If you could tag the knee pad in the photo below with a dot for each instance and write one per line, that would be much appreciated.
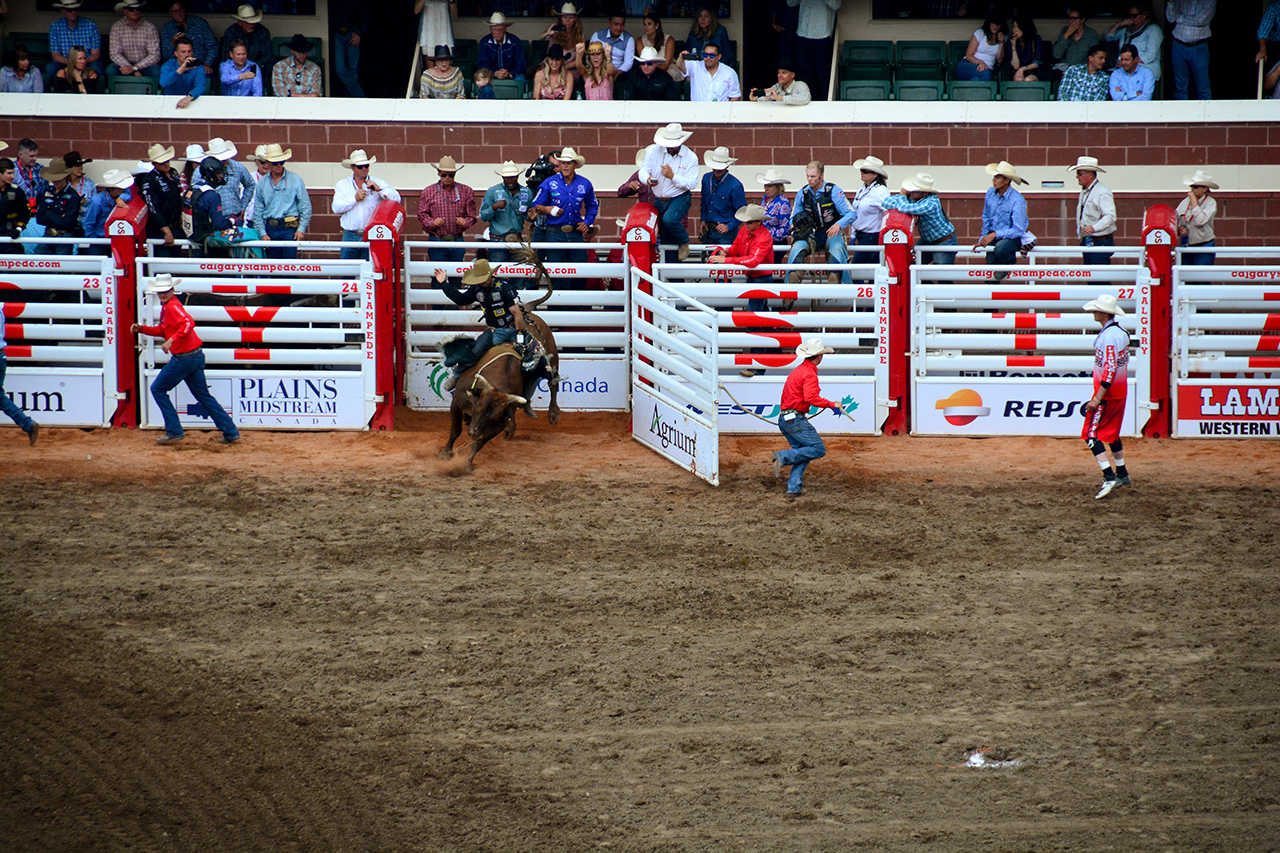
(1117, 447)
(1096, 447)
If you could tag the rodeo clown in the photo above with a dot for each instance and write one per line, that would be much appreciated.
(800, 392)
(1104, 412)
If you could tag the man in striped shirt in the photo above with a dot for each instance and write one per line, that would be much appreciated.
(1190, 19)
(1104, 413)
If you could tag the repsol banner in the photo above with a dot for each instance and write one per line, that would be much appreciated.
(675, 434)
(69, 397)
(586, 385)
(759, 398)
(975, 407)
(321, 400)
(1230, 410)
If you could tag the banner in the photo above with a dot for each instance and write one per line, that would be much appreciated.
(69, 397)
(675, 434)
(321, 400)
(586, 385)
(981, 408)
(1228, 411)
(761, 398)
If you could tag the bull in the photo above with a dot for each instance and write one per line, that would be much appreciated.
(485, 399)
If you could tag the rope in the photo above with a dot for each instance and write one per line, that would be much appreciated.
(503, 354)
(743, 408)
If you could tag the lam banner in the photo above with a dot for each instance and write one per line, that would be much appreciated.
(1228, 410)
(310, 401)
(586, 385)
(675, 434)
(758, 399)
(976, 408)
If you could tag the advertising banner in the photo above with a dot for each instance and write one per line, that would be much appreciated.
(586, 385)
(761, 398)
(1230, 410)
(1029, 407)
(321, 400)
(69, 397)
(675, 434)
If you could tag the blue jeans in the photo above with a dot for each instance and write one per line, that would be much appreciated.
(281, 232)
(940, 257)
(671, 224)
(353, 254)
(966, 70)
(837, 253)
(565, 256)
(346, 64)
(1191, 66)
(1205, 260)
(9, 407)
(806, 446)
(866, 238)
(1004, 251)
(189, 368)
(489, 338)
(1097, 258)
(443, 254)
(715, 238)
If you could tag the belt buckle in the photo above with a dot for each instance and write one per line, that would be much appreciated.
(788, 416)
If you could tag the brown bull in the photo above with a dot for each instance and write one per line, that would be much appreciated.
(537, 327)
(486, 398)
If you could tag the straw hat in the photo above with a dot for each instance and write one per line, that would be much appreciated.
(157, 153)
(718, 158)
(509, 170)
(640, 155)
(358, 158)
(1201, 179)
(1086, 164)
(479, 273)
(247, 14)
(117, 179)
(568, 9)
(812, 347)
(272, 153)
(1107, 304)
(195, 153)
(770, 177)
(65, 4)
(921, 183)
(129, 4)
(446, 164)
(874, 164)
(672, 136)
(163, 283)
(749, 213)
(567, 154)
(222, 149)
(1004, 167)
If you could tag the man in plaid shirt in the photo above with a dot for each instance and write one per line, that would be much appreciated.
(919, 199)
(1190, 19)
(70, 31)
(446, 209)
(1086, 82)
(135, 44)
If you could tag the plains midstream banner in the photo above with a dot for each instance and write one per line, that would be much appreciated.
(324, 400)
(67, 398)
(974, 407)
(761, 397)
(675, 434)
(586, 385)
(1228, 410)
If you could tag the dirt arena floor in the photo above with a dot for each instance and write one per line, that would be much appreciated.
(333, 642)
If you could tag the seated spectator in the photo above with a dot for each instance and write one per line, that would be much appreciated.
(204, 44)
(77, 77)
(706, 30)
(985, 52)
(483, 78)
(135, 44)
(567, 33)
(621, 45)
(709, 80)
(70, 30)
(183, 74)
(501, 53)
(777, 209)
(553, 82)
(654, 37)
(1143, 33)
(598, 71)
(240, 77)
(257, 38)
(297, 77)
(788, 90)
(1075, 40)
(441, 79)
(1268, 33)
(1131, 81)
(647, 81)
(1086, 82)
(19, 77)
(1025, 53)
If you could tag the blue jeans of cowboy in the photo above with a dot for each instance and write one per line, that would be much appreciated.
(1097, 258)
(806, 446)
(837, 253)
(353, 254)
(672, 212)
(281, 232)
(9, 407)
(189, 368)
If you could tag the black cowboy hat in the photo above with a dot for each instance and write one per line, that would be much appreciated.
(301, 43)
(442, 52)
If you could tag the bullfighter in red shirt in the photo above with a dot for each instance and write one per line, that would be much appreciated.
(799, 394)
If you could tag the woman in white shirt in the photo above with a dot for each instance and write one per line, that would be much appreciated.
(868, 208)
(985, 53)
(1195, 218)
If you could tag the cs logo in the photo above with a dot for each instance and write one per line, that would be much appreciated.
(962, 407)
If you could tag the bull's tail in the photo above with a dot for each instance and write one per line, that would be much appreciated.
(527, 254)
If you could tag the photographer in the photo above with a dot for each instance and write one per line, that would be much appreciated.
(788, 90)
(240, 77)
(183, 74)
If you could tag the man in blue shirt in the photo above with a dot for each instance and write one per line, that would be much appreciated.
(114, 190)
(826, 204)
(722, 195)
(501, 52)
(204, 44)
(1004, 216)
(281, 204)
(1132, 81)
(504, 208)
(183, 75)
(70, 31)
(622, 47)
(569, 201)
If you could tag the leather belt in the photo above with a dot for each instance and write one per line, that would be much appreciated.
(190, 351)
(1190, 43)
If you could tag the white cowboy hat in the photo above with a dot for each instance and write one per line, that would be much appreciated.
(718, 158)
(247, 14)
(141, 168)
(222, 149)
(640, 155)
(447, 164)
(163, 282)
(130, 4)
(749, 213)
(272, 153)
(117, 179)
(1086, 164)
(874, 164)
(567, 154)
(671, 136)
(358, 158)
(497, 19)
(649, 54)
(771, 176)
(67, 4)
(1107, 304)
(509, 170)
(921, 183)
(1201, 179)
(256, 156)
(194, 152)
(157, 153)
(568, 9)
(1004, 167)
(812, 347)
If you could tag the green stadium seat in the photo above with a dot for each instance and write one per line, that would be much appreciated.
(955, 52)
(465, 51)
(864, 90)
(919, 90)
(971, 90)
(1035, 90)
(508, 90)
(866, 60)
(132, 86)
(920, 60)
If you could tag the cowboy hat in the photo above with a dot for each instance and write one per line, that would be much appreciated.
(141, 168)
(442, 52)
(130, 4)
(479, 273)
(569, 154)
(67, 4)
(770, 177)
(1086, 164)
(358, 158)
(117, 179)
(568, 9)
(195, 153)
(1107, 304)
(1201, 179)
(300, 44)
(446, 164)
(247, 14)
(812, 347)
(555, 52)
(871, 164)
(163, 282)
(272, 153)
(509, 170)
(256, 156)
(222, 149)
(4, 146)
(921, 183)
(671, 136)
(497, 19)
(1004, 167)
(749, 213)
(648, 54)
(71, 158)
(640, 155)
(55, 171)
(718, 158)
(157, 153)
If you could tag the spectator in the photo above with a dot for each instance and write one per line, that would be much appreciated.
(1195, 217)
(1025, 51)
(569, 201)
(113, 192)
(194, 156)
(240, 77)
(28, 169)
(1095, 211)
(752, 247)
(706, 30)
(15, 206)
(501, 52)
(446, 210)
(238, 186)
(1131, 81)
(69, 31)
(135, 44)
(297, 77)
(641, 189)
(58, 209)
(985, 53)
(1143, 33)
(777, 209)
(621, 45)
(350, 21)
(281, 204)
(825, 203)
(709, 80)
(1087, 82)
(261, 169)
(597, 71)
(434, 27)
(670, 171)
(483, 78)
(248, 28)
(553, 82)
(82, 185)
(504, 207)
(183, 75)
(647, 81)
(1004, 217)
(78, 78)
(1272, 83)
(20, 78)
(788, 90)
(1268, 32)
(356, 198)
(441, 80)
(204, 44)
(920, 199)
(161, 188)
(1075, 40)
(722, 195)
(784, 19)
(567, 33)
(1191, 46)
(654, 37)
(868, 207)
(815, 30)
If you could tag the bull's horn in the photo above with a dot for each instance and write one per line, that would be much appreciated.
(482, 382)
(517, 399)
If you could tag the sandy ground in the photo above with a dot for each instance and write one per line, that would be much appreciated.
(338, 642)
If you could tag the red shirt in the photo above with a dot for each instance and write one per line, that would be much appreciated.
(801, 390)
(751, 250)
(175, 323)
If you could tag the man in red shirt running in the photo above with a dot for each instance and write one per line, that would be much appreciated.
(801, 392)
(186, 364)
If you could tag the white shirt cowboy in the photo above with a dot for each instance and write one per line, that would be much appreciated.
(356, 214)
(1097, 207)
(684, 170)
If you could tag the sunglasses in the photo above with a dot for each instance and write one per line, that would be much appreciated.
(447, 174)
(706, 55)
(365, 166)
(869, 171)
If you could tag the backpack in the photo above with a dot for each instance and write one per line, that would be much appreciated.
(195, 224)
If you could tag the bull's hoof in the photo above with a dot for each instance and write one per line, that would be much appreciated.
(553, 416)
(446, 454)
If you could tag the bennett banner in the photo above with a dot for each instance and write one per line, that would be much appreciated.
(69, 397)
(329, 400)
(586, 385)
(675, 434)
(1228, 410)
(758, 398)
(974, 407)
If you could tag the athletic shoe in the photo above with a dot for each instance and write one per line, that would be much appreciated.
(1107, 487)
(777, 466)
(1124, 481)
(170, 439)
(34, 433)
